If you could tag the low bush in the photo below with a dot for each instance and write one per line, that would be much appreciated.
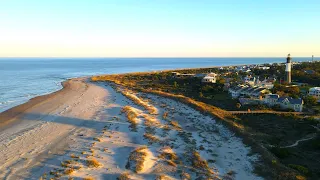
(93, 163)
(299, 168)
(280, 152)
(124, 176)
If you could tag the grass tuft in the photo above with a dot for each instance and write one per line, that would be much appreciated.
(93, 163)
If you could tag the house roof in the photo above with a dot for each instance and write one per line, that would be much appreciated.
(291, 100)
(209, 77)
(273, 96)
(252, 89)
(200, 75)
(258, 90)
(236, 88)
(314, 89)
(245, 89)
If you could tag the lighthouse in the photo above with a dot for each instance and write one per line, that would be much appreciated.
(288, 69)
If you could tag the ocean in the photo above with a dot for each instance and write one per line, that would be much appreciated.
(24, 78)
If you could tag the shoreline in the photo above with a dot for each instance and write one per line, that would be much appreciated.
(8, 117)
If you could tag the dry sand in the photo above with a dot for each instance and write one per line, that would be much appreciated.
(81, 131)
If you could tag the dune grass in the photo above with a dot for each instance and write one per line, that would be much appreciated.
(136, 159)
(131, 116)
(199, 164)
(151, 138)
(93, 163)
(140, 102)
(124, 176)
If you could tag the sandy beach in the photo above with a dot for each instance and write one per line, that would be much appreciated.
(102, 131)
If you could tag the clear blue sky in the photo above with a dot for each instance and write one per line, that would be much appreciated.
(145, 28)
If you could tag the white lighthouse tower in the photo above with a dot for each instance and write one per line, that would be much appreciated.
(288, 69)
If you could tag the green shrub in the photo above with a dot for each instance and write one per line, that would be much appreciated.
(280, 152)
(299, 168)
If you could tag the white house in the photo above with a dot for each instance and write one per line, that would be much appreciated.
(210, 78)
(315, 92)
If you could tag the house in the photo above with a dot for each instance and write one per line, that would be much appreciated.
(247, 101)
(244, 91)
(255, 82)
(249, 80)
(315, 92)
(291, 103)
(271, 99)
(263, 67)
(310, 71)
(235, 91)
(210, 78)
(201, 75)
(259, 92)
(179, 75)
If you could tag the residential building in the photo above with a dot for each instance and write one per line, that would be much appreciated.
(210, 78)
(291, 103)
(235, 91)
(271, 99)
(315, 92)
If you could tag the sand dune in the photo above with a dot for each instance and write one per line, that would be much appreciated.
(101, 131)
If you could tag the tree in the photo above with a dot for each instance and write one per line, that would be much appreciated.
(201, 94)
(310, 101)
(221, 81)
(238, 105)
(175, 84)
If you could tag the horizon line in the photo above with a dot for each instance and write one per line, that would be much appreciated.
(58, 57)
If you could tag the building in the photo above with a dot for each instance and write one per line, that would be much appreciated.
(315, 92)
(259, 92)
(271, 99)
(235, 91)
(249, 80)
(179, 75)
(291, 103)
(210, 78)
(255, 82)
(200, 76)
(288, 69)
(247, 91)
(284, 102)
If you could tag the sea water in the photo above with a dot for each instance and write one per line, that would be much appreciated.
(24, 78)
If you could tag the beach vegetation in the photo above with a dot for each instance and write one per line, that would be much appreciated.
(200, 164)
(68, 171)
(175, 125)
(139, 101)
(136, 159)
(185, 176)
(299, 168)
(93, 163)
(165, 115)
(97, 139)
(131, 116)
(88, 178)
(74, 156)
(151, 138)
(124, 176)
